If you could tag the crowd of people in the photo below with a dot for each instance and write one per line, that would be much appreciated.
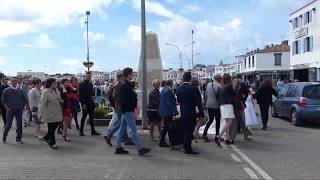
(177, 112)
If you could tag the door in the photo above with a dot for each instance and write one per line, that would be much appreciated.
(281, 97)
(291, 98)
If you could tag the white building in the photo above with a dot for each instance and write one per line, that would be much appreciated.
(33, 75)
(200, 71)
(305, 42)
(171, 74)
(271, 62)
(210, 71)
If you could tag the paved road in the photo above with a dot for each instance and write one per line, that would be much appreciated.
(283, 152)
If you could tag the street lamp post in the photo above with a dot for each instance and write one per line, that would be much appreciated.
(88, 64)
(192, 52)
(180, 50)
(144, 65)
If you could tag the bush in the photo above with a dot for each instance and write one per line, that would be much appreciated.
(100, 113)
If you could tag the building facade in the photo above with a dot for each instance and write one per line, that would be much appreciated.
(305, 42)
(271, 62)
(33, 75)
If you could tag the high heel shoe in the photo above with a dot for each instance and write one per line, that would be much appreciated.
(53, 146)
(66, 138)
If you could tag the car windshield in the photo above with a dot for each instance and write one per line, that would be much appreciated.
(312, 91)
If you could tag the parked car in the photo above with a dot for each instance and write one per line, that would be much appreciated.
(298, 101)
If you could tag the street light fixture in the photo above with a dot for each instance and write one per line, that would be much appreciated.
(88, 64)
(180, 50)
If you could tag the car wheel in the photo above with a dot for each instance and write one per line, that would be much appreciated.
(294, 118)
(273, 112)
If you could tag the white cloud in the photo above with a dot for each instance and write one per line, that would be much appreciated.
(2, 61)
(134, 32)
(41, 41)
(189, 8)
(20, 17)
(96, 39)
(71, 65)
(153, 7)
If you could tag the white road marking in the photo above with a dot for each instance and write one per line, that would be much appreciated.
(251, 163)
(235, 157)
(250, 173)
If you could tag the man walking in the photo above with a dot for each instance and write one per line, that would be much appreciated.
(128, 104)
(86, 95)
(189, 99)
(3, 86)
(14, 100)
(167, 109)
(212, 102)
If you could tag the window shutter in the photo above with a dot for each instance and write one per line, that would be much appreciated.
(311, 43)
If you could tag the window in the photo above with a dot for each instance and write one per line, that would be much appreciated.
(296, 47)
(277, 59)
(253, 63)
(249, 62)
(293, 91)
(245, 63)
(307, 17)
(308, 44)
(296, 22)
(283, 91)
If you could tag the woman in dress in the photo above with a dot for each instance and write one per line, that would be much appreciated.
(228, 94)
(76, 101)
(50, 110)
(34, 96)
(250, 114)
(66, 95)
(153, 108)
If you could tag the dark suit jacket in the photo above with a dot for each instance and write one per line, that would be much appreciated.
(189, 98)
(168, 103)
(264, 95)
(86, 93)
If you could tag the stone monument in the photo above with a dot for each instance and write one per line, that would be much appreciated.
(154, 63)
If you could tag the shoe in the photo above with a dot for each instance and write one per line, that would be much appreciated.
(59, 131)
(66, 138)
(81, 133)
(229, 142)
(19, 142)
(128, 142)
(78, 128)
(191, 153)
(164, 145)
(108, 141)
(95, 133)
(264, 128)
(4, 139)
(216, 140)
(121, 151)
(144, 151)
(53, 146)
(205, 138)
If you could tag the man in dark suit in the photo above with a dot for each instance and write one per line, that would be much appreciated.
(167, 109)
(86, 95)
(189, 99)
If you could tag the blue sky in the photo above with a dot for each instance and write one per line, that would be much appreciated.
(48, 35)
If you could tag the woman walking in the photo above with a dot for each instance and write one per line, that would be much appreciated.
(200, 121)
(250, 114)
(66, 95)
(34, 96)
(76, 101)
(50, 110)
(228, 94)
(264, 98)
(98, 94)
(153, 108)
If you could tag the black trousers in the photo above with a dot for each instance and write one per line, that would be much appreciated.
(189, 125)
(89, 111)
(264, 109)
(3, 114)
(50, 136)
(165, 130)
(213, 114)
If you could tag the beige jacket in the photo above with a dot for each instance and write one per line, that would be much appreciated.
(50, 109)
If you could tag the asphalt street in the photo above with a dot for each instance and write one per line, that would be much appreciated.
(282, 152)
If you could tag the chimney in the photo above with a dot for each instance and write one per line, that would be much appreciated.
(267, 46)
(286, 42)
(272, 45)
